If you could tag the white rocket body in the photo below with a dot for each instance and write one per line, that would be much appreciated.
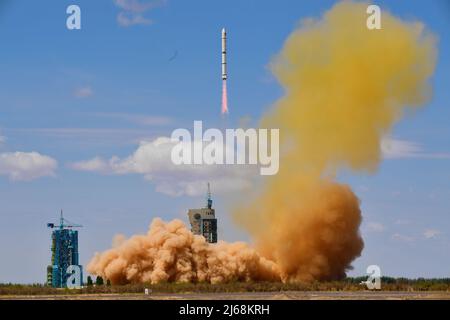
(224, 54)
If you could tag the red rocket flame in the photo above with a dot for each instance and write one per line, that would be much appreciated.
(224, 98)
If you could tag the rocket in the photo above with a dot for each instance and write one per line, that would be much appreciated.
(224, 54)
(224, 73)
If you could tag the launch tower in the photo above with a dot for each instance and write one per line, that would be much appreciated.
(64, 252)
(203, 221)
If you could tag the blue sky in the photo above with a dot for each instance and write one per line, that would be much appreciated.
(70, 96)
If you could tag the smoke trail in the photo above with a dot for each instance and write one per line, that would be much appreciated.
(345, 87)
(224, 97)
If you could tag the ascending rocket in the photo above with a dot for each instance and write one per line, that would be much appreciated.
(224, 73)
(224, 54)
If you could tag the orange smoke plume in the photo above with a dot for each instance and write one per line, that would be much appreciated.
(345, 88)
(170, 252)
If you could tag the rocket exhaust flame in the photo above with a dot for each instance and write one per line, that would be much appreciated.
(224, 98)
(345, 88)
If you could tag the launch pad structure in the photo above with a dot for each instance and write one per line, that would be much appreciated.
(64, 250)
(203, 221)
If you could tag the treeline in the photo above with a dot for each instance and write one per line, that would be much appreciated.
(348, 284)
(405, 284)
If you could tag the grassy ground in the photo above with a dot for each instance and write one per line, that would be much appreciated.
(348, 284)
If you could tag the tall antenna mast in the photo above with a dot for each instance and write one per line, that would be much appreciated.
(208, 197)
(61, 220)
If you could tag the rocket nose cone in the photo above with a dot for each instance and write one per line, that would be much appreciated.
(223, 31)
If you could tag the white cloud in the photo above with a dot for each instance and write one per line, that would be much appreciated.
(402, 238)
(152, 159)
(375, 227)
(96, 164)
(397, 149)
(431, 233)
(133, 11)
(402, 222)
(126, 19)
(25, 166)
(83, 92)
(2, 139)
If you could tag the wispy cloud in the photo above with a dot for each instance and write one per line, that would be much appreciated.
(375, 227)
(402, 238)
(89, 135)
(402, 222)
(25, 166)
(431, 233)
(126, 19)
(363, 188)
(133, 12)
(141, 119)
(2, 139)
(397, 149)
(83, 92)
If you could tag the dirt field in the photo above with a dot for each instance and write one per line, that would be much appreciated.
(292, 295)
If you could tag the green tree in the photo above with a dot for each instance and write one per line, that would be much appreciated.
(89, 281)
(99, 281)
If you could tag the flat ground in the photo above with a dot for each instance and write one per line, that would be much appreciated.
(291, 295)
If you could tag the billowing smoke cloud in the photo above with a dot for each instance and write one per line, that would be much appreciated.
(308, 226)
(345, 87)
(170, 252)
